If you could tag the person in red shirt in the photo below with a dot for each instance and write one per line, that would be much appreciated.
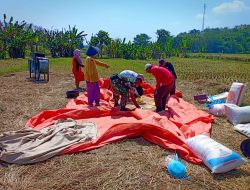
(77, 65)
(170, 67)
(164, 84)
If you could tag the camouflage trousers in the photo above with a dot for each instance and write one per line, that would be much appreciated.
(119, 89)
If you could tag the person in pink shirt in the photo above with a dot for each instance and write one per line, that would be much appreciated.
(164, 84)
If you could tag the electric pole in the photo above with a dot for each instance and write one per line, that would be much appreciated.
(203, 20)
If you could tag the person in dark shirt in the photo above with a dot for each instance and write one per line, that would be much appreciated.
(170, 67)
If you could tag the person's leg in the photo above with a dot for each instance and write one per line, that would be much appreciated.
(124, 99)
(77, 84)
(96, 93)
(115, 90)
(164, 101)
(90, 92)
(166, 93)
(124, 92)
(76, 80)
(172, 92)
(158, 98)
(116, 96)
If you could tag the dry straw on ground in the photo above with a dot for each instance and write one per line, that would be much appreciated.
(129, 164)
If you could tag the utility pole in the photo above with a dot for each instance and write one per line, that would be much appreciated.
(203, 20)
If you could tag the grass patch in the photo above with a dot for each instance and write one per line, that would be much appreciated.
(13, 65)
(192, 69)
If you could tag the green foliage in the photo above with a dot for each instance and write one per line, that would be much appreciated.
(141, 40)
(63, 43)
(14, 37)
(101, 40)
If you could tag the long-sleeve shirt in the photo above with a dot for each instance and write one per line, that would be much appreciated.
(170, 67)
(91, 73)
(162, 75)
(130, 75)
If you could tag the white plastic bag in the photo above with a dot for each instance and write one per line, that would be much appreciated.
(236, 93)
(218, 158)
(221, 96)
(217, 109)
(243, 128)
(237, 115)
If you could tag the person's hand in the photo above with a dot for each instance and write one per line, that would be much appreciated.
(155, 92)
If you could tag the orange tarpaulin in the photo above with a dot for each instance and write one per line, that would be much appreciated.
(167, 129)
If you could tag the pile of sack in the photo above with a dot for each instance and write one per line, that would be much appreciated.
(238, 116)
(231, 108)
(217, 157)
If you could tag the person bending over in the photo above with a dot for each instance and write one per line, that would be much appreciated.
(164, 84)
(124, 85)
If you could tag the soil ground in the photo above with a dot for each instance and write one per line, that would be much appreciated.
(129, 164)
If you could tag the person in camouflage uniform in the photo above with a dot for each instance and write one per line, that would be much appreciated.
(124, 85)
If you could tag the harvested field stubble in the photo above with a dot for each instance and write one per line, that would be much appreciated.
(131, 163)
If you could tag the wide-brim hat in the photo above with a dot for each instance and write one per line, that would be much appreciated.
(92, 50)
(177, 169)
(245, 147)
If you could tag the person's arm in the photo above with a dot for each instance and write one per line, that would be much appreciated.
(171, 69)
(99, 63)
(154, 72)
(157, 78)
(78, 63)
(175, 76)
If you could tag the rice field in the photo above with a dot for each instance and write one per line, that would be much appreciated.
(188, 69)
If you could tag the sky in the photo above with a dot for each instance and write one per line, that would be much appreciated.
(127, 18)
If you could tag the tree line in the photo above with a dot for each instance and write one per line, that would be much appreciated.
(18, 38)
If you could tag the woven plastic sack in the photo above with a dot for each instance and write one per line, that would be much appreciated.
(237, 115)
(217, 157)
(236, 93)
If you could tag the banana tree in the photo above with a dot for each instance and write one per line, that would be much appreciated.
(64, 42)
(15, 36)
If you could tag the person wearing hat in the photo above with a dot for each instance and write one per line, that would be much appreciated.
(77, 65)
(170, 67)
(125, 84)
(91, 75)
(164, 84)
